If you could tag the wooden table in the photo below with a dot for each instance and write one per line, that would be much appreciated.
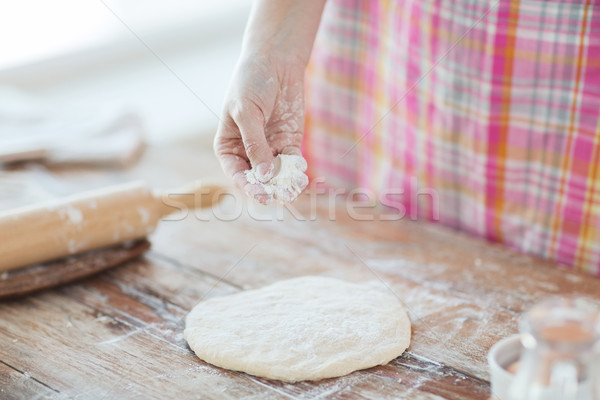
(119, 334)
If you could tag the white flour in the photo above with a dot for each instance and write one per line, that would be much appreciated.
(289, 179)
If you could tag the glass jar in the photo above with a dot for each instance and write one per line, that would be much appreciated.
(559, 360)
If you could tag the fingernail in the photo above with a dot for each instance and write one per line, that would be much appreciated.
(264, 172)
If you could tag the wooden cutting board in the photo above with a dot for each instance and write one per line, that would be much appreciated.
(22, 281)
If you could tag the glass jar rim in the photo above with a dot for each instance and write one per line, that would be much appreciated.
(562, 322)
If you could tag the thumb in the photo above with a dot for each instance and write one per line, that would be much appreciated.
(250, 121)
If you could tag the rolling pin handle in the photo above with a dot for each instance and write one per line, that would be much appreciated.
(192, 196)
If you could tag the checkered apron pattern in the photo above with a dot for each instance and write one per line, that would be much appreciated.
(482, 115)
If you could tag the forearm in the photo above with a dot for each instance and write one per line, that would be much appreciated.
(283, 28)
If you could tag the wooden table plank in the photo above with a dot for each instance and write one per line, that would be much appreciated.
(89, 354)
(16, 384)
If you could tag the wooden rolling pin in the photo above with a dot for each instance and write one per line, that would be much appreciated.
(90, 220)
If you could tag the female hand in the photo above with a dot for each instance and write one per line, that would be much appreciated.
(263, 116)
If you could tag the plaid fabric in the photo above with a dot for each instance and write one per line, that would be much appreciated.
(494, 105)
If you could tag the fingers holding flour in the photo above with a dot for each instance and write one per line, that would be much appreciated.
(289, 178)
(288, 181)
(229, 148)
(283, 180)
(256, 191)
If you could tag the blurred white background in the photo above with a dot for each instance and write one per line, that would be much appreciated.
(169, 61)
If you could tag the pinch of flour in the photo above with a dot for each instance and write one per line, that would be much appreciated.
(288, 180)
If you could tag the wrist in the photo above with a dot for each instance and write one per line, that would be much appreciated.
(283, 30)
(289, 60)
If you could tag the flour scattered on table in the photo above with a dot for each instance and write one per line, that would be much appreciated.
(289, 179)
(306, 328)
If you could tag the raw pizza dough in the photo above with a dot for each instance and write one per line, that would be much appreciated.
(306, 328)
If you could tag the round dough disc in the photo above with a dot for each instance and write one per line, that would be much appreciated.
(306, 328)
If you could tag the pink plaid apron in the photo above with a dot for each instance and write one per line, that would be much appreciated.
(492, 105)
